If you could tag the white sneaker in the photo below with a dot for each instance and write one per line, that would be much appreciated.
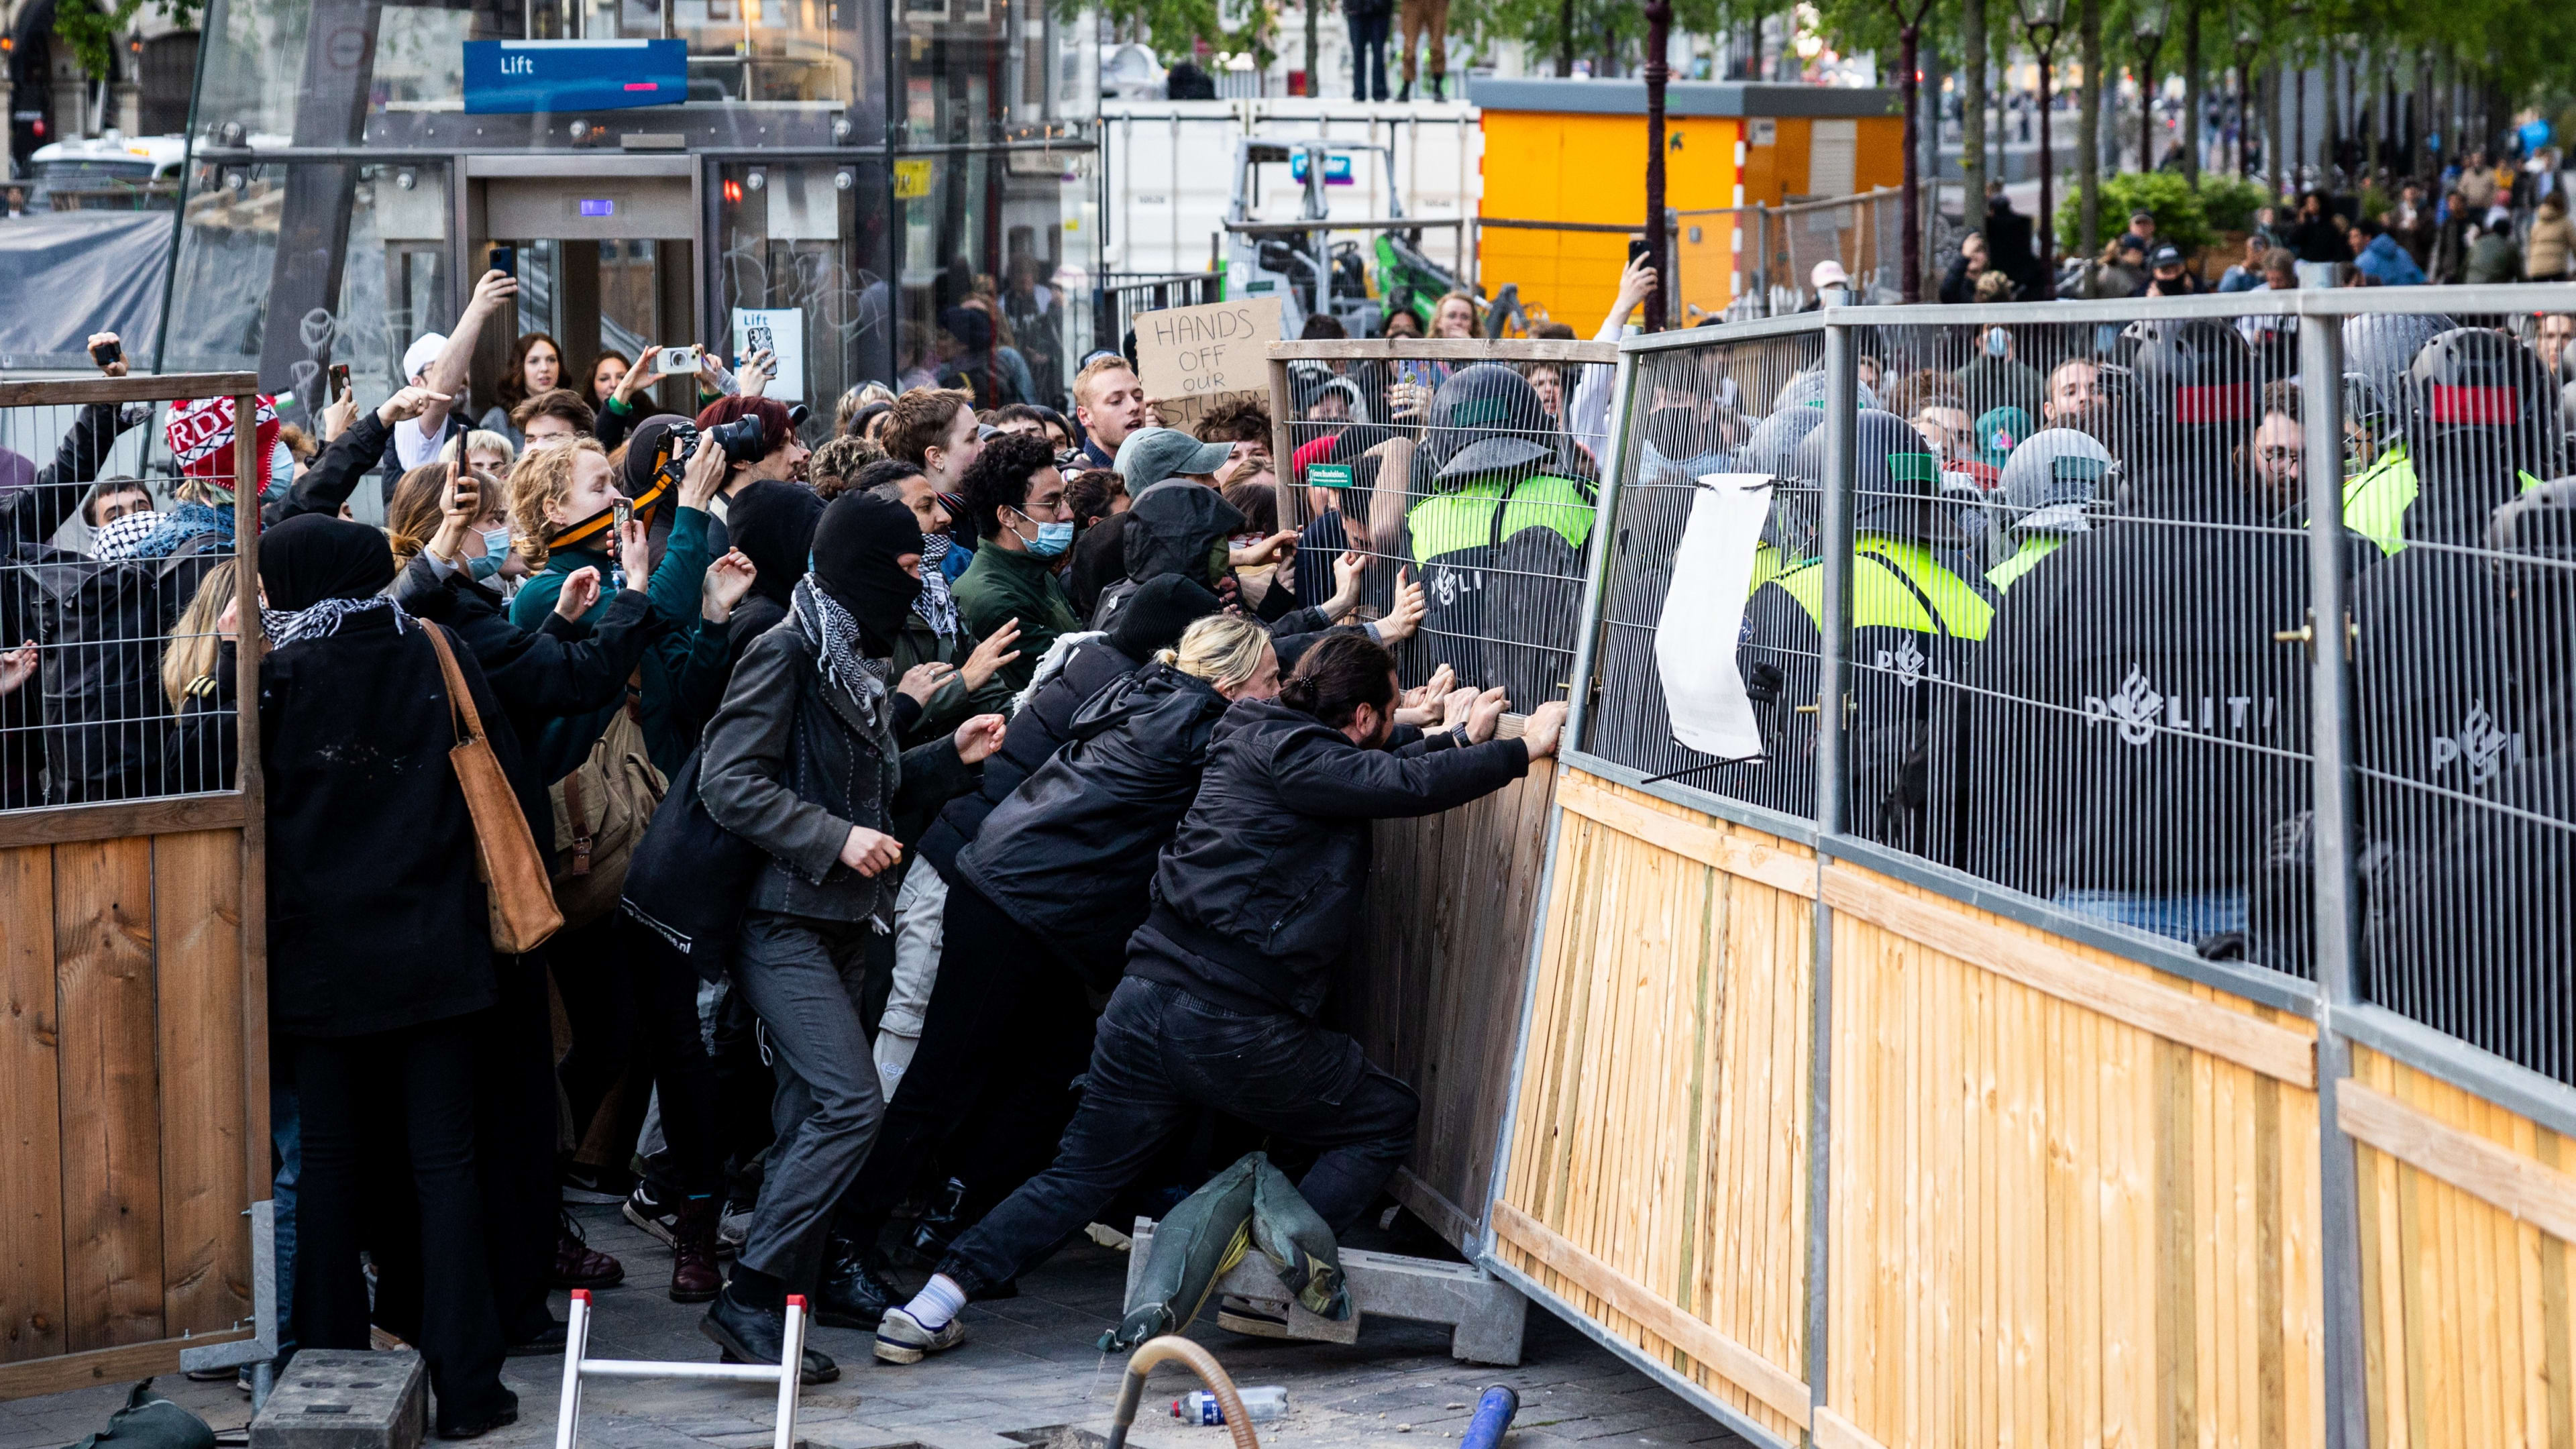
(902, 1339)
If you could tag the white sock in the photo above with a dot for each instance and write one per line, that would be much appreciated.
(939, 1300)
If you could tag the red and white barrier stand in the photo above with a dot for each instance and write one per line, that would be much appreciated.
(577, 1368)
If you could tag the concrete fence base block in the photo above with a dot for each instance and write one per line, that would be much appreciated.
(1485, 1314)
(345, 1399)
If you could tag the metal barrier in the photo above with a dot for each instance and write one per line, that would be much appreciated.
(1746, 262)
(1468, 467)
(134, 1055)
(2124, 982)
(1118, 298)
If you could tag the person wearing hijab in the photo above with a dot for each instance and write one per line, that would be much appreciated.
(802, 760)
(379, 945)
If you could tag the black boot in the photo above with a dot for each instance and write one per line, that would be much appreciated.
(855, 1292)
(938, 1225)
(749, 1333)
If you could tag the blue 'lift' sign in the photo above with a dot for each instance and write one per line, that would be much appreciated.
(522, 77)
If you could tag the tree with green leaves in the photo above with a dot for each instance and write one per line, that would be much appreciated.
(92, 33)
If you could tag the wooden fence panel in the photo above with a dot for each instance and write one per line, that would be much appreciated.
(1433, 992)
(1657, 1177)
(129, 1159)
(2052, 1223)
(2467, 1211)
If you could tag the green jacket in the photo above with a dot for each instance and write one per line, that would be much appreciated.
(684, 670)
(1000, 586)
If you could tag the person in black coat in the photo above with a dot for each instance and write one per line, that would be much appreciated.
(772, 522)
(801, 760)
(1038, 913)
(1253, 901)
(379, 942)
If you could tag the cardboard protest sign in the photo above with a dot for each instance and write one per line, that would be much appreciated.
(1193, 360)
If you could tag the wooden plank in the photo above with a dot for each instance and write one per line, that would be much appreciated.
(111, 1099)
(31, 1173)
(1446, 349)
(2173, 1014)
(68, 824)
(2496, 1175)
(1773, 1386)
(1776, 867)
(1833, 1431)
(205, 1240)
(103, 1366)
(170, 387)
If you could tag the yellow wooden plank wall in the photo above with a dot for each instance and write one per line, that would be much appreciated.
(2051, 1226)
(1661, 1126)
(123, 1157)
(2465, 1308)
(1433, 989)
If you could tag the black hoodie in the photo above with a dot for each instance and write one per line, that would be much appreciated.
(1070, 854)
(1256, 895)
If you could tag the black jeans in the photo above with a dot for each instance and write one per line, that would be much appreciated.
(423, 1078)
(1007, 1031)
(666, 1006)
(1368, 53)
(1159, 1053)
(594, 969)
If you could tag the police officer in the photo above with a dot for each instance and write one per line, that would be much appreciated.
(2477, 935)
(1914, 621)
(2052, 482)
(1497, 537)
(2378, 350)
(1789, 535)
(2138, 723)
(2436, 720)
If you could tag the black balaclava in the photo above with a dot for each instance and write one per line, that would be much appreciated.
(1157, 614)
(855, 548)
(773, 523)
(313, 557)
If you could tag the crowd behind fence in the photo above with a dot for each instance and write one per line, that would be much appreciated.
(2088, 588)
(118, 591)
(1469, 468)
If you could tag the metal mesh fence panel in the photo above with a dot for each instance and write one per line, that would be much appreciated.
(1470, 470)
(2462, 635)
(115, 576)
(1729, 407)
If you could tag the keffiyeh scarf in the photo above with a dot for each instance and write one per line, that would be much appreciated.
(835, 633)
(290, 626)
(937, 607)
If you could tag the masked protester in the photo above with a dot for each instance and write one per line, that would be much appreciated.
(379, 946)
(801, 760)
(1038, 915)
(1023, 528)
(1225, 978)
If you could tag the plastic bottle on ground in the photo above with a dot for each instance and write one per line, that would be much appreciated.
(1260, 1405)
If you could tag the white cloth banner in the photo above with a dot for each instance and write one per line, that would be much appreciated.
(1704, 614)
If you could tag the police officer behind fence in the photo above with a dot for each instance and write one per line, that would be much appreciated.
(2378, 351)
(1498, 536)
(2051, 485)
(2140, 718)
(2432, 704)
(1913, 620)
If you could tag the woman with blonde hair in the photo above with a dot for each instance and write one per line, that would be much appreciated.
(1039, 910)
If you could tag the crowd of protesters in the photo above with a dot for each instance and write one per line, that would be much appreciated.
(942, 809)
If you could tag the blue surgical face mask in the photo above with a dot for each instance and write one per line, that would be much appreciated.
(1998, 342)
(496, 541)
(1052, 540)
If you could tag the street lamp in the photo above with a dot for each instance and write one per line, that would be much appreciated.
(2044, 21)
(1659, 31)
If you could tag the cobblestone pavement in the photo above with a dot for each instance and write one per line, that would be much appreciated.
(1027, 1363)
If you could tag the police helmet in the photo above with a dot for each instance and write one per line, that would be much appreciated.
(2478, 400)
(2053, 478)
(1486, 419)
(1773, 446)
(1807, 390)
(1895, 475)
(2380, 346)
(2194, 374)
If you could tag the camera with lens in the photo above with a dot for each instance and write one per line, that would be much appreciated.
(743, 439)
